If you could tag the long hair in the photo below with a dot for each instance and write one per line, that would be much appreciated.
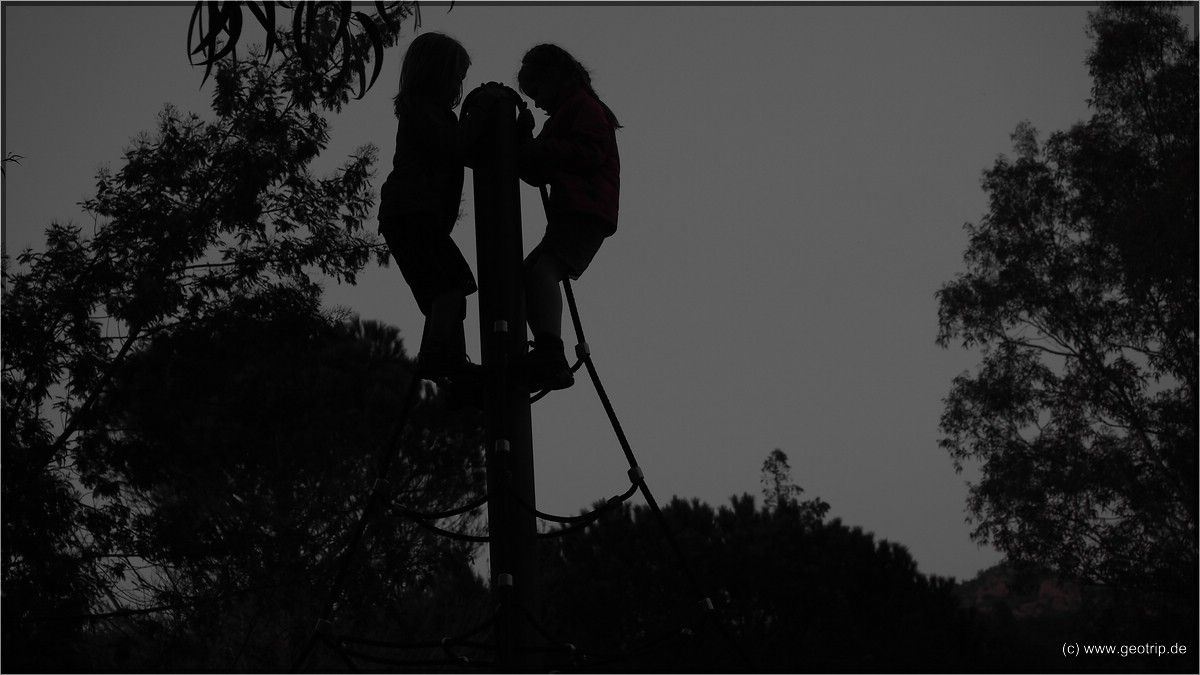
(555, 62)
(432, 61)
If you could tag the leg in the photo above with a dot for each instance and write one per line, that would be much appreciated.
(546, 365)
(566, 250)
(445, 320)
(444, 344)
(543, 298)
(446, 359)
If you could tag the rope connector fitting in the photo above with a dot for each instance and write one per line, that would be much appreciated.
(635, 475)
(582, 350)
(504, 579)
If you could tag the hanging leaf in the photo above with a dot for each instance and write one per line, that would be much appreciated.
(325, 38)
(383, 8)
(376, 43)
(227, 19)
(298, 35)
(343, 26)
(266, 18)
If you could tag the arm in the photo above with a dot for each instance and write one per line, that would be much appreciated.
(578, 147)
(439, 134)
(528, 167)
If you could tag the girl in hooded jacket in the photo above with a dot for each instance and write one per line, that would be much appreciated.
(575, 154)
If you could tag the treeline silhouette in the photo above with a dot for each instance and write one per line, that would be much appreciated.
(244, 447)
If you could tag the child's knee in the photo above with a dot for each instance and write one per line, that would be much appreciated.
(541, 272)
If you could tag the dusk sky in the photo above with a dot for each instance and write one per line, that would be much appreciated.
(795, 183)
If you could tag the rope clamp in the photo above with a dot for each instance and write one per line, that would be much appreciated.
(504, 579)
(502, 445)
(500, 326)
(636, 475)
(582, 350)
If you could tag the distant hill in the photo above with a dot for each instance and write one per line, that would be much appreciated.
(1022, 595)
(1034, 621)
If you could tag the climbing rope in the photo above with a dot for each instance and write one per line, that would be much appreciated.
(449, 534)
(439, 515)
(581, 521)
(447, 645)
(423, 519)
(584, 354)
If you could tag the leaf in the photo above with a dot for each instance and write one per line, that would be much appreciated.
(360, 68)
(214, 27)
(108, 488)
(232, 22)
(298, 17)
(12, 157)
(266, 18)
(382, 9)
(343, 28)
(376, 42)
(196, 14)
(228, 19)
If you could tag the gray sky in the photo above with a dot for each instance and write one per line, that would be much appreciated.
(795, 181)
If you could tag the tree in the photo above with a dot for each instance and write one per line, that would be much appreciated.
(777, 479)
(245, 448)
(792, 593)
(1081, 293)
(779, 490)
(200, 212)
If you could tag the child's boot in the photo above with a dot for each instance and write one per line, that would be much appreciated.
(546, 366)
(440, 362)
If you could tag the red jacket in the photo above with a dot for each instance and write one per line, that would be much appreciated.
(576, 154)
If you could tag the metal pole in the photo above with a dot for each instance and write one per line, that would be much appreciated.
(510, 475)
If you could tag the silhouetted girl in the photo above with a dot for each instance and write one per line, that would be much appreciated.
(419, 202)
(576, 155)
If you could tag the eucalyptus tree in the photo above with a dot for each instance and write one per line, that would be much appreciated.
(1081, 293)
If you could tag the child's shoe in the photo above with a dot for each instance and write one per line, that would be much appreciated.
(441, 364)
(546, 368)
